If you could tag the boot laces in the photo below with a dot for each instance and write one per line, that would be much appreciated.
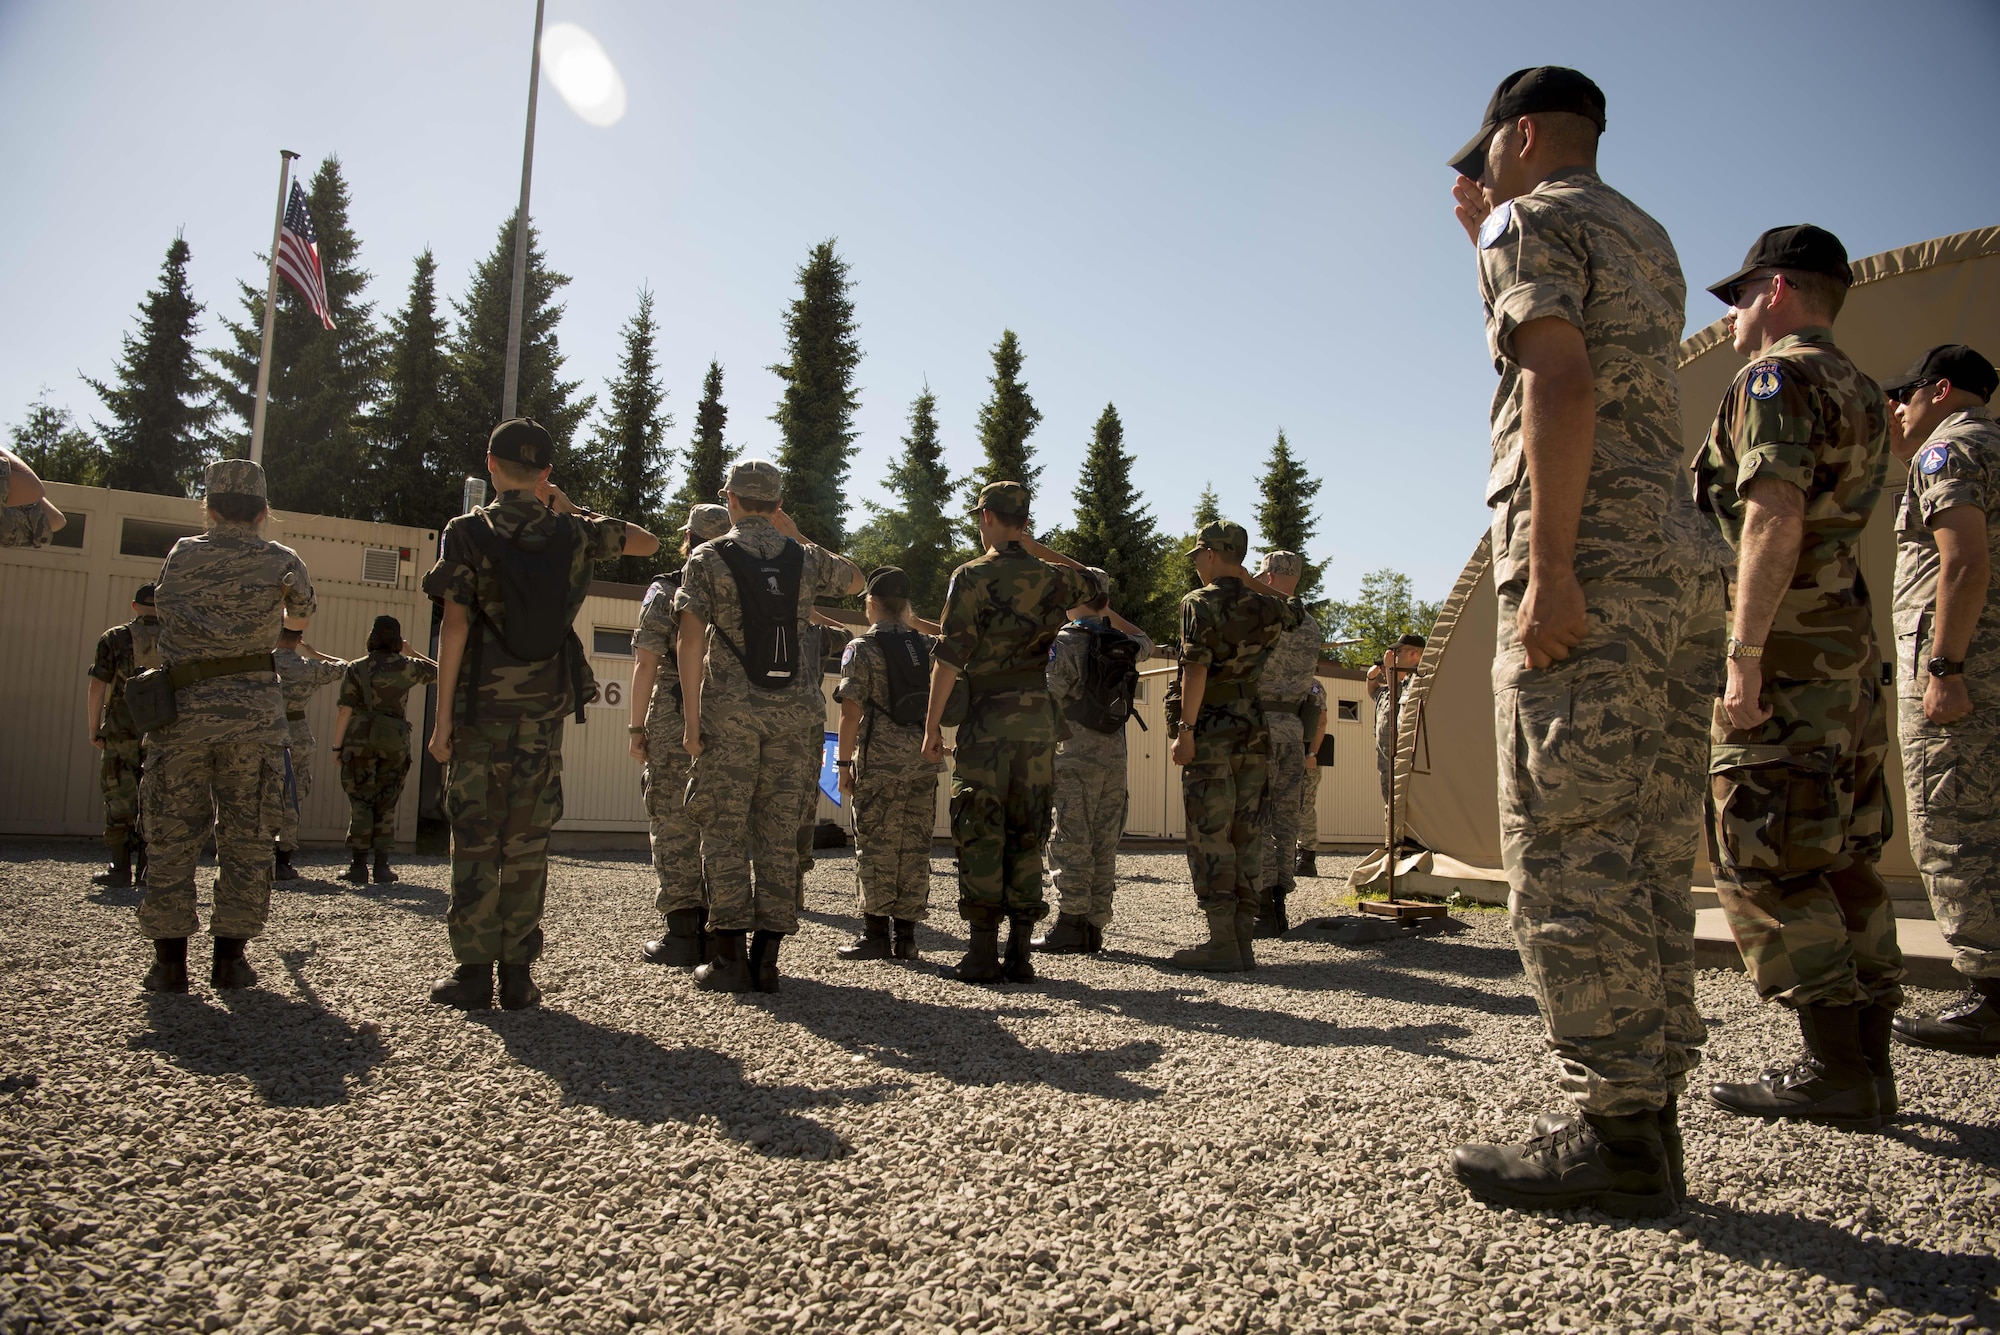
(1801, 1072)
(1550, 1144)
(1964, 1006)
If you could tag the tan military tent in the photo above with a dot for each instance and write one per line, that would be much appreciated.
(1903, 301)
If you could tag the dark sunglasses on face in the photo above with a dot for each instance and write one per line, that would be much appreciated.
(1903, 395)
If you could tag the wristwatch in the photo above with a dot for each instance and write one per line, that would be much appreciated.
(1738, 649)
(1944, 667)
(635, 727)
(843, 764)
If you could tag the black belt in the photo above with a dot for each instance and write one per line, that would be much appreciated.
(184, 675)
(1024, 679)
(295, 716)
(1284, 704)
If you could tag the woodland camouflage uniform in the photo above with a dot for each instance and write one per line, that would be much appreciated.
(1284, 692)
(122, 653)
(375, 754)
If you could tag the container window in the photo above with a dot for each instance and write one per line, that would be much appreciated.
(71, 533)
(1350, 711)
(152, 537)
(611, 642)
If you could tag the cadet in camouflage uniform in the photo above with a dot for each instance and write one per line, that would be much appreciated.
(220, 764)
(884, 774)
(123, 652)
(1608, 648)
(372, 744)
(751, 767)
(28, 518)
(1090, 797)
(1798, 807)
(1228, 628)
(1948, 674)
(655, 731)
(1307, 863)
(499, 725)
(1002, 611)
(1409, 652)
(1284, 694)
(299, 675)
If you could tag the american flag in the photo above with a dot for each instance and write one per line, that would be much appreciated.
(298, 255)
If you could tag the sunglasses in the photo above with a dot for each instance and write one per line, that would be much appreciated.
(1903, 395)
(1740, 295)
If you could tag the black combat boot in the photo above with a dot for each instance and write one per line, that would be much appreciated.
(1246, 932)
(357, 870)
(517, 986)
(1070, 936)
(1670, 1138)
(764, 960)
(874, 943)
(680, 947)
(230, 970)
(1220, 953)
(468, 987)
(982, 961)
(1018, 966)
(118, 875)
(1875, 1030)
(1271, 922)
(1970, 1026)
(139, 862)
(905, 947)
(729, 971)
(1831, 1085)
(281, 865)
(384, 874)
(1614, 1164)
(1308, 863)
(1096, 943)
(170, 966)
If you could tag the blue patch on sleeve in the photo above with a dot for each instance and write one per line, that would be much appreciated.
(1766, 379)
(1496, 225)
(1933, 459)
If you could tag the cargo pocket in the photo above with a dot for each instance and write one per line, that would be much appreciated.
(1775, 810)
(1565, 964)
(1913, 640)
(271, 795)
(1573, 756)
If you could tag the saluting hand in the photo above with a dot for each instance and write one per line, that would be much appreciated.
(1472, 205)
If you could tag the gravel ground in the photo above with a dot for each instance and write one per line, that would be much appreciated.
(1116, 1148)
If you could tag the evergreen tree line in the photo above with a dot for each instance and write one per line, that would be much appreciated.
(383, 420)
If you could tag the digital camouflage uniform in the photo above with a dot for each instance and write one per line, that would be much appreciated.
(1001, 613)
(221, 764)
(760, 749)
(675, 838)
(1090, 796)
(123, 652)
(298, 678)
(503, 787)
(1387, 723)
(895, 790)
(1230, 628)
(1601, 755)
(1798, 806)
(1951, 772)
(375, 752)
(1283, 691)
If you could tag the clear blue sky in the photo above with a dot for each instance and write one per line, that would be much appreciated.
(1224, 218)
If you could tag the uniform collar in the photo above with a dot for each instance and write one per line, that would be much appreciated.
(1810, 334)
(1567, 176)
(146, 619)
(1981, 413)
(750, 521)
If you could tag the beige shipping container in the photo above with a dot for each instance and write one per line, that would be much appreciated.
(56, 601)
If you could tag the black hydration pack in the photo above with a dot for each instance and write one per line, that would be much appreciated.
(908, 655)
(767, 590)
(1110, 681)
(534, 590)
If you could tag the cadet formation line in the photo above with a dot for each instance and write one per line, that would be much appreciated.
(1667, 651)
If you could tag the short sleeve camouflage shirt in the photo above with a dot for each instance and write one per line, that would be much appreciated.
(1959, 465)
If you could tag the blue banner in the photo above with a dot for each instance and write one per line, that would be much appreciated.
(829, 777)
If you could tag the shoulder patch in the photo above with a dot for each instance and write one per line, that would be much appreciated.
(1496, 225)
(1933, 458)
(847, 655)
(1766, 379)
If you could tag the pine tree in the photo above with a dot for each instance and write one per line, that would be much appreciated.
(707, 465)
(323, 381)
(627, 452)
(50, 442)
(410, 475)
(1383, 612)
(478, 351)
(917, 533)
(1006, 420)
(160, 435)
(1284, 512)
(816, 413)
(1177, 573)
(1113, 530)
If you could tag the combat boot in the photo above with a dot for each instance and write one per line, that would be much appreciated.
(874, 943)
(905, 947)
(384, 874)
(230, 970)
(729, 971)
(170, 966)
(281, 866)
(1018, 967)
(1220, 953)
(1246, 932)
(1970, 1026)
(357, 870)
(138, 862)
(680, 947)
(1875, 1030)
(982, 960)
(1308, 863)
(1070, 936)
(764, 960)
(1270, 922)
(118, 875)
(1831, 1085)
(517, 986)
(1670, 1139)
(1095, 946)
(1615, 1164)
(468, 987)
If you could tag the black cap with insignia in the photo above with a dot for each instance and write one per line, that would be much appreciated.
(1523, 93)
(1800, 246)
(1955, 362)
(522, 440)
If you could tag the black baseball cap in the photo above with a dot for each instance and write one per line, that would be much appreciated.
(1411, 641)
(1955, 362)
(1800, 246)
(144, 597)
(522, 440)
(888, 582)
(1523, 93)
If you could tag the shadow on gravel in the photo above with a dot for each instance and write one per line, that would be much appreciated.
(1947, 1138)
(1365, 978)
(633, 1078)
(296, 1053)
(125, 898)
(408, 896)
(1923, 1282)
(1188, 1010)
(962, 1045)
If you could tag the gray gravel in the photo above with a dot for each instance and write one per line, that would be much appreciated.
(1118, 1148)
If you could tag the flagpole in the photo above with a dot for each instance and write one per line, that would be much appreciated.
(510, 391)
(285, 156)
